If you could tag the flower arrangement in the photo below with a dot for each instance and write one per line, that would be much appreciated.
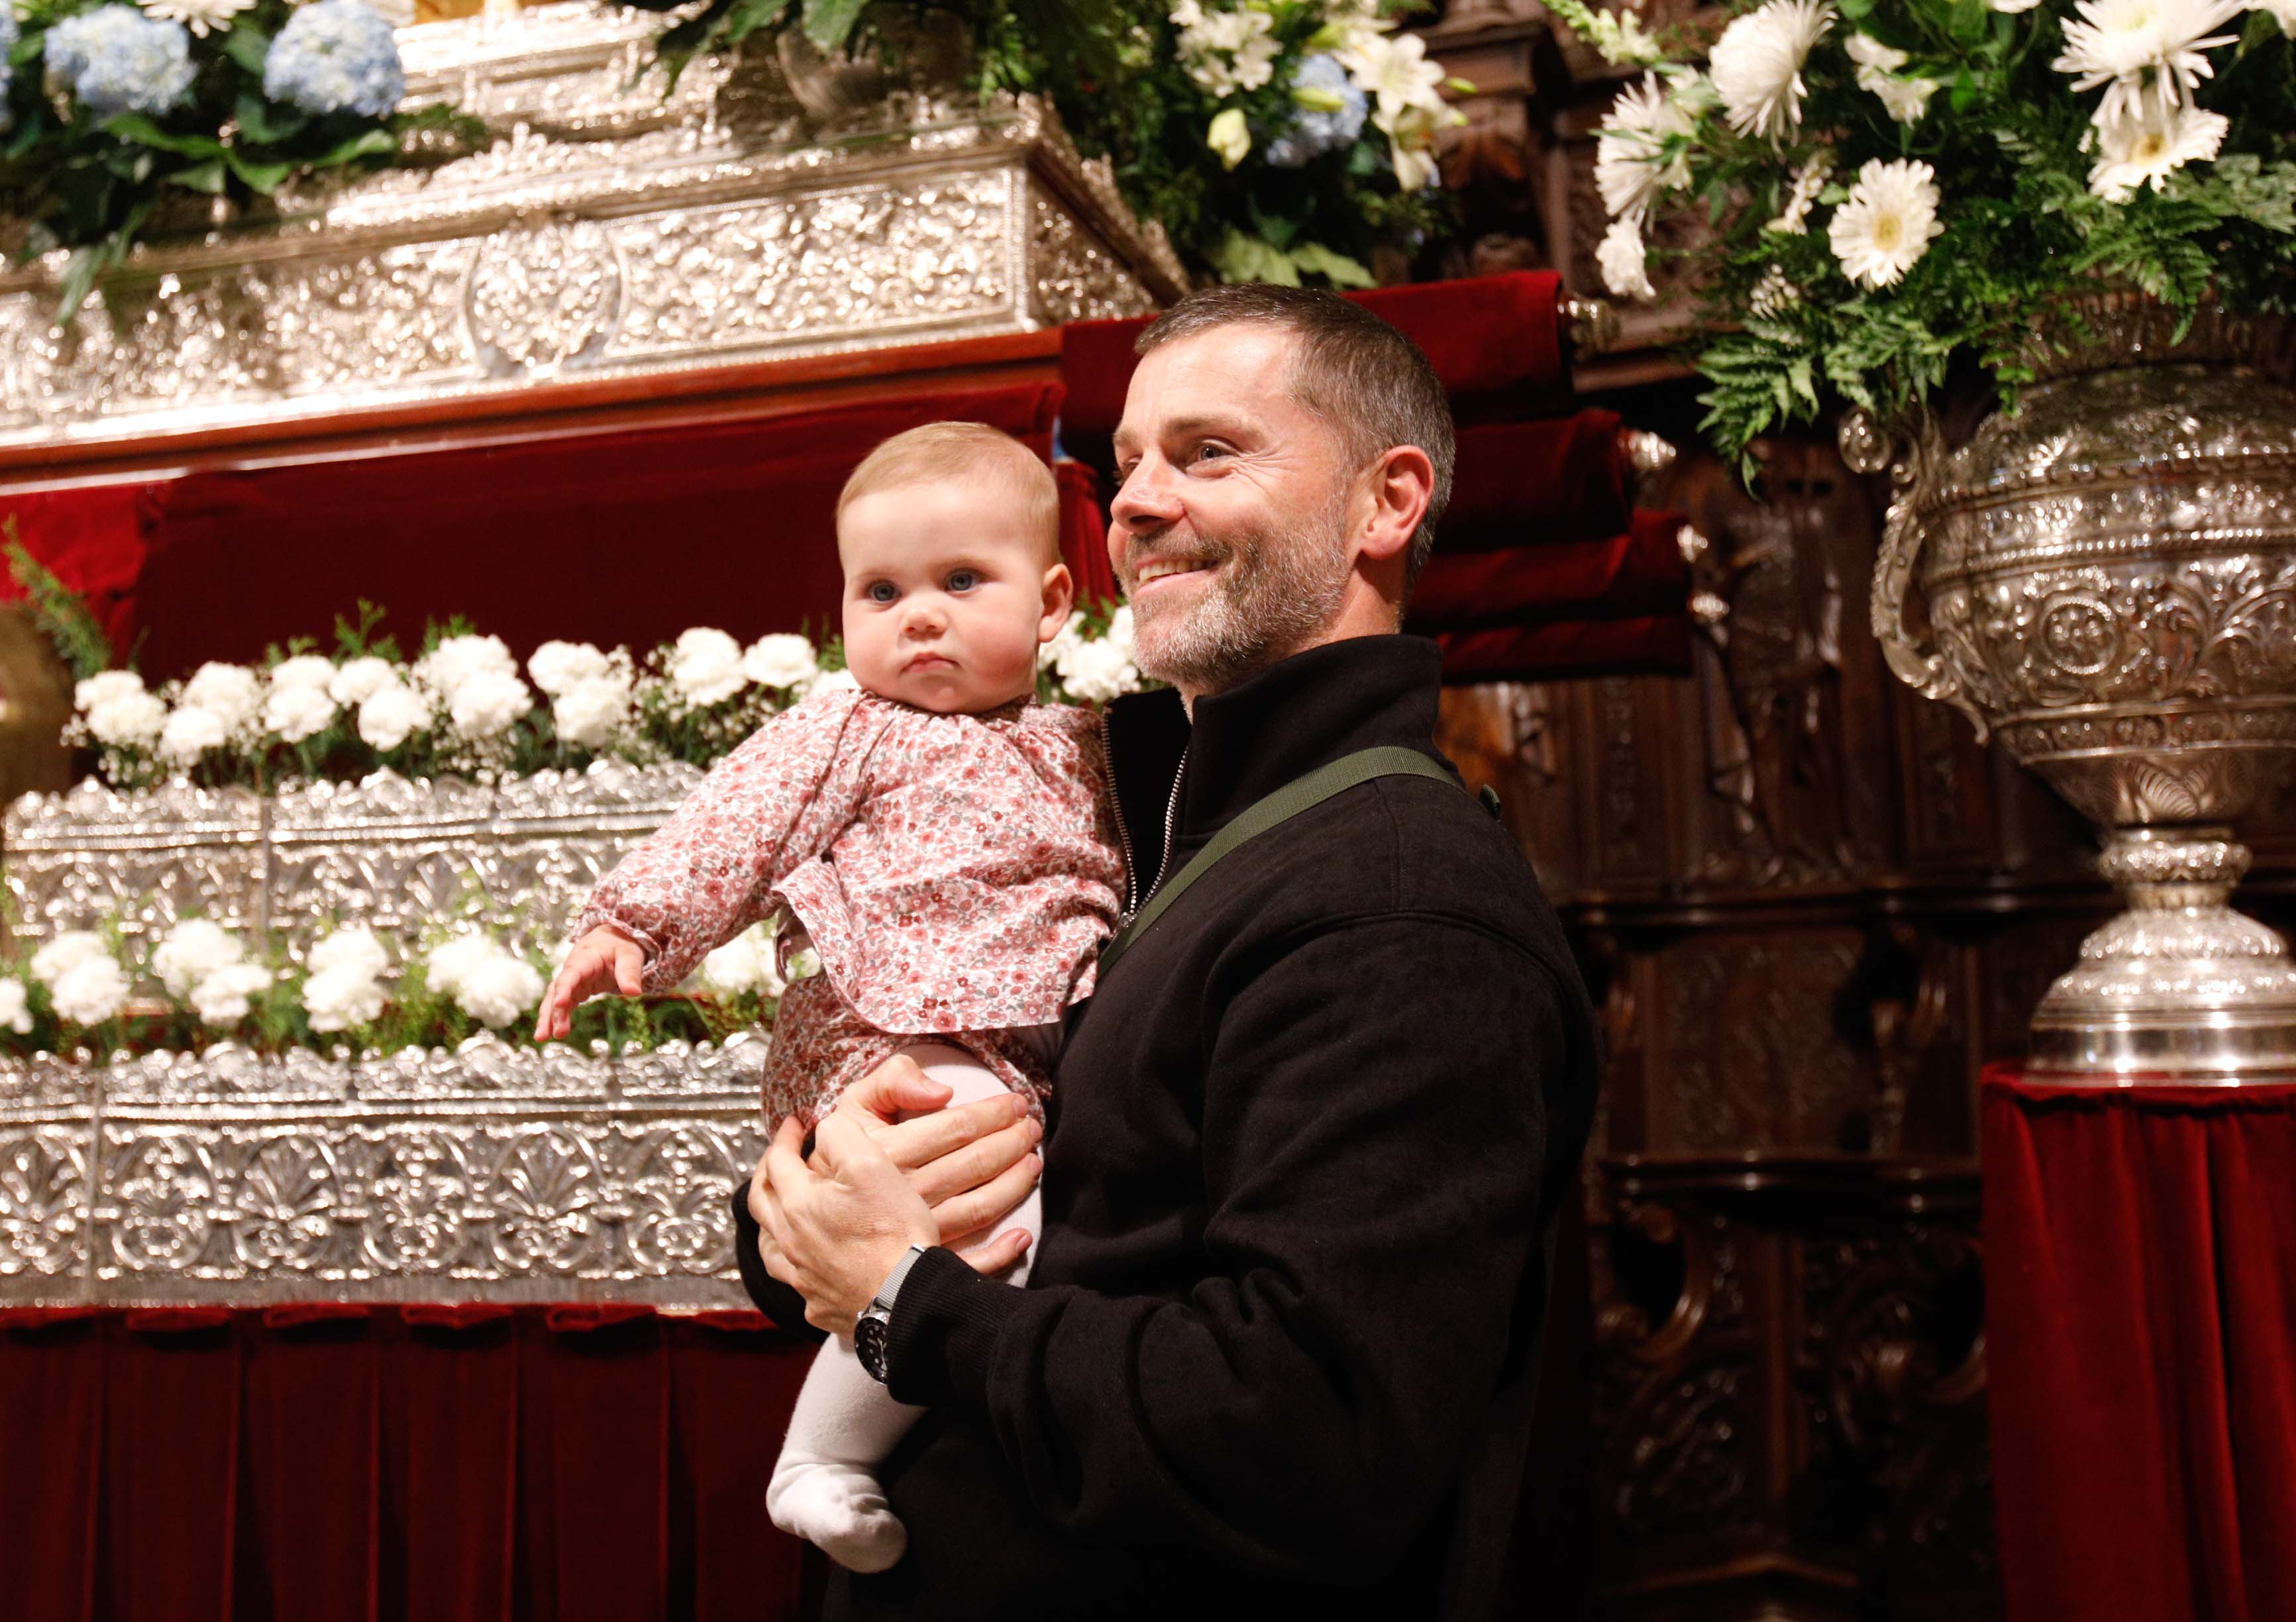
(1275, 140)
(200, 984)
(461, 707)
(108, 108)
(1861, 193)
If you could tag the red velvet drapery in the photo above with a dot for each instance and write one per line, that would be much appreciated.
(2140, 1317)
(425, 1463)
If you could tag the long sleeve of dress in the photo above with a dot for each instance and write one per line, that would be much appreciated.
(708, 872)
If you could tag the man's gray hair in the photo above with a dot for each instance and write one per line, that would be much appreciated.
(1357, 372)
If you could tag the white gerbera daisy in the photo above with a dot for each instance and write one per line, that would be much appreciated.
(1884, 226)
(2118, 40)
(197, 15)
(1809, 181)
(2147, 143)
(1623, 261)
(1643, 148)
(1756, 65)
(1906, 98)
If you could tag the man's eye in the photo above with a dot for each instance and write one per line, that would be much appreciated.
(1205, 452)
(883, 591)
(962, 580)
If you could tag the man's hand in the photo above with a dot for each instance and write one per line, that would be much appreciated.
(604, 960)
(838, 1231)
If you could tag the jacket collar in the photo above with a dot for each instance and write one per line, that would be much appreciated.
(1251, 739)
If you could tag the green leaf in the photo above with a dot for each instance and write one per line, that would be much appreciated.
(829, 23)
(1241, 258)
(1969, 22)
(1336, 268)
(135, 126)
(746, 17)
(266, 123)
(203, 176)
(1964, 90)
(262, 176)
(365, 144)
(248, 45)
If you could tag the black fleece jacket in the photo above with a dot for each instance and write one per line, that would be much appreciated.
(1307, 1140)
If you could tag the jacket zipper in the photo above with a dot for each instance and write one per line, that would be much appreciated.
(1171, 815)
(1123, 833)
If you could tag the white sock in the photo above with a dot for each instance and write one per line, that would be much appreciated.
(824, 1486)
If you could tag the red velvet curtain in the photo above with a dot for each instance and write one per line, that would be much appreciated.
(425, 1463)
(2141, 1336)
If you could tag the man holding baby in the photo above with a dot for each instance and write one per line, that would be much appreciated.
(1304, 1141)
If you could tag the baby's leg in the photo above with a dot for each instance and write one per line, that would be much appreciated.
(824, 1486)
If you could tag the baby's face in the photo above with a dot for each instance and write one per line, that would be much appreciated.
(946, 600)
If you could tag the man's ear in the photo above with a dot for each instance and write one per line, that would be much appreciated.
(1399, 485)
(1060, 599)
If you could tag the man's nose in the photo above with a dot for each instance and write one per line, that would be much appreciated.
(1148, 499)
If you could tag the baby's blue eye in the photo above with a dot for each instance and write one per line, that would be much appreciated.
(962, 580)
(883, 591)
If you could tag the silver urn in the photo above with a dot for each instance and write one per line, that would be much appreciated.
(2109, 579)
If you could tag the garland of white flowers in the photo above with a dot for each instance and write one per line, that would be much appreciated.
(462, 707)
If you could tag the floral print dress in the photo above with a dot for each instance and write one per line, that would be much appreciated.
(957, 874)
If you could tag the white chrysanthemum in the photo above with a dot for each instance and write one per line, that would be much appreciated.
(1809, 181)
(390, 714)
(1643, 149)
(221, 999)
(133, 720)
(297, 713)
(234, 693)
(2117, 41)
(1624, 262)
(353, 951)
(448, 965)
(487, 704)
(558, 668)
(593, 711)
(338, 999)
(1096, 671)
(90, 992)
(736, 967)
(1906, 98)
(1773, 293)
(1884, 226)
(442, 671)
(66, 952)
(782, 660)
(15, 1005)
(359, 679)
(705, 666)
(197, 15)
(2144, 145)
(303, 670)
(499, 988)
(105, 687)
(191, 732)
(1756, 65)
(194, 948)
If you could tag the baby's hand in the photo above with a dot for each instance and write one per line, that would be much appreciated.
(603, 960)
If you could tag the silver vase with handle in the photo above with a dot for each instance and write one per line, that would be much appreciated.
(2109, 579)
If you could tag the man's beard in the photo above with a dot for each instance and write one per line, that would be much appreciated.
(1275, 592)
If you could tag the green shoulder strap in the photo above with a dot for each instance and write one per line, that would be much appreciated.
(1391, 760)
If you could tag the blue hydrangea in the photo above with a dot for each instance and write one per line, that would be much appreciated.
(7, 70)
(116, 60)
(336, 56)
(1313, 133)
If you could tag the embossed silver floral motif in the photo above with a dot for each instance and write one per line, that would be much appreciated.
(2110, 574)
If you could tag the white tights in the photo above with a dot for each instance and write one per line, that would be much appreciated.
(824, 1484)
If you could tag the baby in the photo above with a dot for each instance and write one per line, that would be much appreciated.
(946, 841)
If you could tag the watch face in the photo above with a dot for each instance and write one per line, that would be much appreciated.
(869, 1346)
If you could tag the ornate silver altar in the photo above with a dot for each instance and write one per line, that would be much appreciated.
(494, 1171)
(617, 229)
(2110, 574)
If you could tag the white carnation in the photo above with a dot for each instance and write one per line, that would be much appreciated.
(360, 679)
(558, 668)
(1643, 149)
(132, 720)
(1049, 654)
(1624, 262)
(90, 992)
(782, 660)
(191, 732)
(705, 666)
(194, 948)
(831, 681)
(735, 967)
(389, 715)
(105, 687)
(2144, 143)
(297, 713)
(1756, 66)
(220, 999)
(1119, 632)
(66, 952)
(1097, 672)
(487, 704)
(1884, 226)
(498, 989)
(446, 966)
(337, 999)
(353, 951)
(15, 1005)
(443, 671)
(303, 670)
(233, 692)
(592, 712)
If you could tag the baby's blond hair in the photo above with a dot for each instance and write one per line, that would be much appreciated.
(965, 450)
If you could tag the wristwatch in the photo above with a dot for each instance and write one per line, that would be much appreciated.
(875, 1322)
